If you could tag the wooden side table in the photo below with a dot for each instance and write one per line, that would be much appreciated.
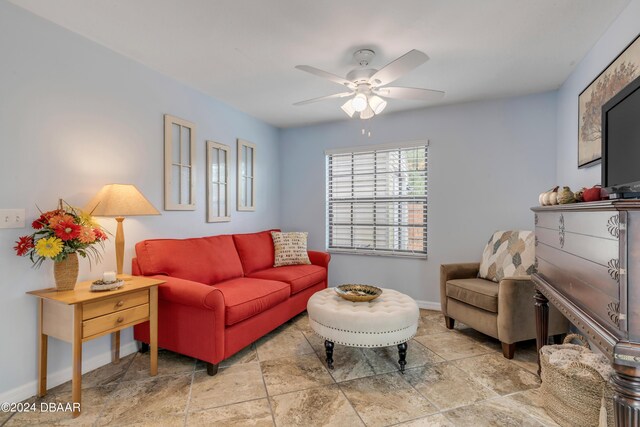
(80, 315)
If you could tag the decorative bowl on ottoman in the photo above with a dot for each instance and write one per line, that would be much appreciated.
(358, 293)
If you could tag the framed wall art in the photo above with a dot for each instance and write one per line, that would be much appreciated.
(246, 193)
(218, 182)
(179, 164)
(620, 72)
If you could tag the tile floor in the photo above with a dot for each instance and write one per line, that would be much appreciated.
(453, 378)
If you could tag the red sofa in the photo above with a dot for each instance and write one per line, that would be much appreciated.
(222, 292)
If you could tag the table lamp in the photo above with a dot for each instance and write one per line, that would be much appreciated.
(120, 200)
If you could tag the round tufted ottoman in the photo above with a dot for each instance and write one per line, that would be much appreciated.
(390, 319)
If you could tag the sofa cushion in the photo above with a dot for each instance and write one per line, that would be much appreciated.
(245, 297)
(255, 250)
(479, 293)
(300, 277)
(508, 253)
(206, 260)
(290, 248)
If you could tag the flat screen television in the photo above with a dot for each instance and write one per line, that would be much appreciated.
(621, 143)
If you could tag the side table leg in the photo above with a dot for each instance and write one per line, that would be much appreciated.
(42, 352)
(542, 323)
(76, 378)
(626, 400)
(115, 347)
(402, 352)
(153, 329)
(328, 346)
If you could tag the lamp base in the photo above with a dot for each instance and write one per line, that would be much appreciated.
(125, 277)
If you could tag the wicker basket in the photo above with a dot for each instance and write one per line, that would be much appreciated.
(573, 394)
(66, 272)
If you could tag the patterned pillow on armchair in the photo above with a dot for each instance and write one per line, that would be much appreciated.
(507, 254)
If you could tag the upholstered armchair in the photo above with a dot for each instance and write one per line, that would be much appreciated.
(500, 303)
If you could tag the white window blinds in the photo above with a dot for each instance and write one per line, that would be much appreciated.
(377, 200)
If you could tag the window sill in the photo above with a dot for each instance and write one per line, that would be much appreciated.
(376, 254)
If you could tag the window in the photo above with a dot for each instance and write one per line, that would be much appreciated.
(179, 164)
(217, 182)
(246, 176)
(377, 200)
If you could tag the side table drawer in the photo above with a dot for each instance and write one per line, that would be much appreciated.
(117, 303)
(114, 321)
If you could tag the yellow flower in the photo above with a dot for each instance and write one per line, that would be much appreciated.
(49, 247)
(87, 219)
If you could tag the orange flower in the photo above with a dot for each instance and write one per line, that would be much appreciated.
(67, 230)
(87, 235)
(57, 219)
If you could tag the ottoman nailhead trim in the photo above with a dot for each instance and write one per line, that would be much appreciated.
(360, 332)
(366, 345)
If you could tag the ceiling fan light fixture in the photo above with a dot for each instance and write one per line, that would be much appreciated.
(377, 104)
(359, 102)
(347, 108)
(367, 113)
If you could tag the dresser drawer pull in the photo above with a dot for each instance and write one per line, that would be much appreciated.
(120, 319)
(120, 303)
(613, 226)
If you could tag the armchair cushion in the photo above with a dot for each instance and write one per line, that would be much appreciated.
(508, 253)
(479, 293)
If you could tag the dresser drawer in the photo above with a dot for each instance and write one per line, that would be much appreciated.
(595, 249)
(113, 321)
(604, 224)
(604, 279)
(601, 307)
(116, 303)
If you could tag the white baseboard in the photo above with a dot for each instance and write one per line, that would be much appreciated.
(29, 389)
(429, 305)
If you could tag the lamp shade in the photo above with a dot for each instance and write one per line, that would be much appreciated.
(367, 113)
(347, 108)
(120, 200)
(377, 104)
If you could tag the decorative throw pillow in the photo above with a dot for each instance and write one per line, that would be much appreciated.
(290, 248)
(507, 254)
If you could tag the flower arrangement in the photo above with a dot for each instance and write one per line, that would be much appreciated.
(61, 232)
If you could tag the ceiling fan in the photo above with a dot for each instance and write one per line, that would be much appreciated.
(369, 86)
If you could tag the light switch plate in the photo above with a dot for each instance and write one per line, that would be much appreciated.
(12, 218)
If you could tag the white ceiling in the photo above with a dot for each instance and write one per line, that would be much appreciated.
(243, 51)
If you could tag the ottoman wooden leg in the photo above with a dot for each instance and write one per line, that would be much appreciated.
(328, 346)
(402, 352)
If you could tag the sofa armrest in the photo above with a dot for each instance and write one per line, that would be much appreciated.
(319, 258)
(448, 272)
(187, 292)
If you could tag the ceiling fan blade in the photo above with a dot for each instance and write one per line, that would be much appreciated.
(397, 68)
(322, 98)
(409, 93)
(325, 75)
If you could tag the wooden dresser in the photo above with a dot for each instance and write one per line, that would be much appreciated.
(588, 258)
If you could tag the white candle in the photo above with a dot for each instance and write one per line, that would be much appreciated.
(109, 276)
